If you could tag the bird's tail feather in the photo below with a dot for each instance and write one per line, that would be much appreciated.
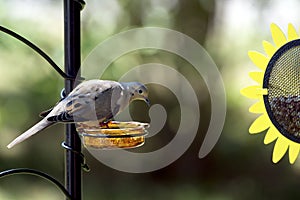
(44, 123)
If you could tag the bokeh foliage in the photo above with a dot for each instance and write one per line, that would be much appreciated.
(239, 167)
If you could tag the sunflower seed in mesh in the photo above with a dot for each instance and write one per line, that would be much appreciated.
(286, 111)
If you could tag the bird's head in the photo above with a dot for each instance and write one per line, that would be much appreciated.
(138, 91)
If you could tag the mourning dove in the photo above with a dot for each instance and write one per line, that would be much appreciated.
(91, 100)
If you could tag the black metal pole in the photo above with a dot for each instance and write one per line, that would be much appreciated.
(73, 160)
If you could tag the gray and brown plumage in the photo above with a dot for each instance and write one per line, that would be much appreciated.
(91, 100)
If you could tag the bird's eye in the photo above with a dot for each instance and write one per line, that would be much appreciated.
(140, 91)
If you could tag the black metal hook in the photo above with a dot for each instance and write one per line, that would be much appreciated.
(36, 173)
(35, 48)
(39, 51)
(84, 166)
(81, 3)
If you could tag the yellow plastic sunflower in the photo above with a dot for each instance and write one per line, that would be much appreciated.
(283, 144)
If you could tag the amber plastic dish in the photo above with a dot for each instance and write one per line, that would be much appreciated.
(113, 135)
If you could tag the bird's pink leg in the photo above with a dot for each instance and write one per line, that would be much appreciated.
(104, 124)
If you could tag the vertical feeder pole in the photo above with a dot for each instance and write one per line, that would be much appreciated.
(73, 174)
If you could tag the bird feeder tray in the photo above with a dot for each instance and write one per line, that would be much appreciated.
(112, 135)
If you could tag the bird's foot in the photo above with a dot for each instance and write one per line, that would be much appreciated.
(104, 124)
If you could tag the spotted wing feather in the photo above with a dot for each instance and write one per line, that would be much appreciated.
(100, 104)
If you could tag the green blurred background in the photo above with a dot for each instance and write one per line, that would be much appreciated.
(239, 167)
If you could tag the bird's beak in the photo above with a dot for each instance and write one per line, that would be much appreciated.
(147, 101)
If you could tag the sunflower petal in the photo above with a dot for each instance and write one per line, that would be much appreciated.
(271, 135)
(292, 33)
(269, 48)
(260, 124)
(258, 107)
(293, 152)
(252, 92)
(257, 76)
(277, 35)
(259, 59)
(280, 149)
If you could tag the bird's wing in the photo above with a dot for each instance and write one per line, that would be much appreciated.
(89, 102)
(75, 109)
(106, 103)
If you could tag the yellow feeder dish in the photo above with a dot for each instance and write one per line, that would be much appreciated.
(113, 135)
